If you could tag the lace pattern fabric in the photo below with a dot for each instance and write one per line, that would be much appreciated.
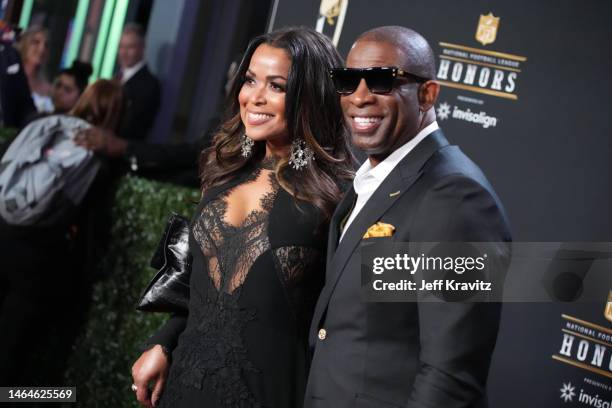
(211, 365)
(293, 262)
(232, 249)
(212, 354)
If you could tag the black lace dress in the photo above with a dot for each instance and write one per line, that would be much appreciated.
(254, 284)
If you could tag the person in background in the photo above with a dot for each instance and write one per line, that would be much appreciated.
(68, 86)
(42, 273)
(174, 163)
(34, 50)
(141, 89)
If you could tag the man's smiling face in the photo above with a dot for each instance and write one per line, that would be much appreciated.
(380, 124)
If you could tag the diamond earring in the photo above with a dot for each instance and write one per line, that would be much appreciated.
(301, 154)
(246, 145)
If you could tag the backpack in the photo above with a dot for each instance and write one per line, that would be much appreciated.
(43, 175)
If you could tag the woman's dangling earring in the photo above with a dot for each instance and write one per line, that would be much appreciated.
(301, 154)
(246, 145)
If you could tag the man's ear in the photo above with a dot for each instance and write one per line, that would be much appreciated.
(428, 95)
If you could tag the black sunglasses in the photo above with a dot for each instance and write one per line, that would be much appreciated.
(380, 80)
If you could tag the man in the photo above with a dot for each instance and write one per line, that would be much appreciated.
(140, 88)
(419, 354)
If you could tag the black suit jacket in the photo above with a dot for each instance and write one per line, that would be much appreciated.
(421, 354)
(15, 97)
(141, 99)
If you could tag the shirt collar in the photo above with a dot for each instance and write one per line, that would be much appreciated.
(131, 71)
(367, 175)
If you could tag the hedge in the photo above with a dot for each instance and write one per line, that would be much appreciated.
(7, 134)
(110, 342)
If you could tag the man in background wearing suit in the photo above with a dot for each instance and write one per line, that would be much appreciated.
(410, 354)
(141, 89)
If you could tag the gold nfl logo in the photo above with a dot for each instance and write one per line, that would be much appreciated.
(330, 9)
(608, 310)
(331, 18)
(487, 29)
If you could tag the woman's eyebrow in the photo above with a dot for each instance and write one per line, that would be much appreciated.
(267, 77)
(276, 77)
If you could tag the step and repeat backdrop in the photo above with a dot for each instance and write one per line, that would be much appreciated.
(526, 90)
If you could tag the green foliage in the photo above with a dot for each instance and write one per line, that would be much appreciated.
(7, 134)
(111, 341)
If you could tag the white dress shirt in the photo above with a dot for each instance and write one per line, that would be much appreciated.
(128, 73)
(369, 178)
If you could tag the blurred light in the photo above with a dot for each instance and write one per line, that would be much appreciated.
(105, 21)
(77, 32)
(26, 13)
(112, 44)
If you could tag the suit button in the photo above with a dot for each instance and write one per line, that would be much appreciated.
(322, 334)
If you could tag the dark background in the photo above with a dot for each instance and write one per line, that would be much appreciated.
(548, 157)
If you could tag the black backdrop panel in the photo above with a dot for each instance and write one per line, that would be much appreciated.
(542, 138)
(548, 154)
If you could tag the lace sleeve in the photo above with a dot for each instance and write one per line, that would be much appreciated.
(294, 261)
(302, 271)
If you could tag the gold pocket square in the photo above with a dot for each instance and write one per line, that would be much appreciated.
(380, 229)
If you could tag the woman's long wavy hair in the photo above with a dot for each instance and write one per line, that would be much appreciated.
(312, 111)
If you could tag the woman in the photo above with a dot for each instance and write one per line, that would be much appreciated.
(100, 104)
(34, 50)
(270, 184)
(39, 271)
(68, 86)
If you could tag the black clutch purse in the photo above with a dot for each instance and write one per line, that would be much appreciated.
(168, 292)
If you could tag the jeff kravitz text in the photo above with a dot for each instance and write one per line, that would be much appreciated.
(451, 267)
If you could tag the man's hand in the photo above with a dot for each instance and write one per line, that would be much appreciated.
(101, 141)
(151, 366)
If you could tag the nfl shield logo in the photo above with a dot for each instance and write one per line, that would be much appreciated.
(330, 9)
(487, 29)
(608, 311)
(331, 18)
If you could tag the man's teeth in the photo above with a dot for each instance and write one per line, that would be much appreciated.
(364, 120)
(259, 116)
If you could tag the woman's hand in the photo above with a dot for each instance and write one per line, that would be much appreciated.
(151, 366)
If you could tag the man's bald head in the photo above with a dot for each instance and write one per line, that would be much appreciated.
(416, 54)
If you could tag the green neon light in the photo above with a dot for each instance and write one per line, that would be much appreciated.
(105, 21)
(112, 44)
(77, 31)
(26, 13)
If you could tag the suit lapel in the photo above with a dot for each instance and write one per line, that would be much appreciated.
(395, 185)
(340, 214)
(136, 78)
